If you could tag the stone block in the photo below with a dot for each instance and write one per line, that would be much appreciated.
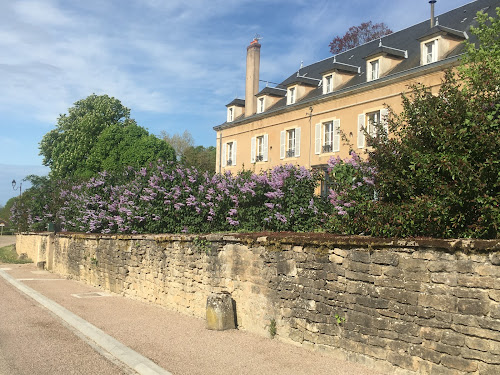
(413, 265)
(485, 369)
(459, 363)
(492, 359)
(478, 332)
(385, 257)
(453, 338)
(424, 353)
(495, 258)
(475, 343)
(444, 278)
(442, 348)
(442, 266)
(438, 302)
(220, 312)
(478, 282)
(362, 256)
(494, 295)
(469, 306)
(405, 361)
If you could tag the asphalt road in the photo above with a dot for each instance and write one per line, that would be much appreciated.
(33, 341)
(7, 240)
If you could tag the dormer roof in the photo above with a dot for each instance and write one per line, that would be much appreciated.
(389, 51)
(303, 80)
(272, 91)
(443, 30)
(236, 102)
(343, 68)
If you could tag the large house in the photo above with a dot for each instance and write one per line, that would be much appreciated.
(301, 120)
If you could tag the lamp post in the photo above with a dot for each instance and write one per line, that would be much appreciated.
(20, 186)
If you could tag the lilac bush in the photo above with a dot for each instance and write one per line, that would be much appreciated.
(167, 198)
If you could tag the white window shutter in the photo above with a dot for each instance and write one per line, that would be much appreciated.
(336, 135)
(266, 140)
(223, 156)
(297, 142)
(252, 150)
(233, 156)
(383, 120)
(282, 144)
(317, 137)
(361, 130)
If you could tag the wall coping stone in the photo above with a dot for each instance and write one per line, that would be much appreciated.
(466, 245)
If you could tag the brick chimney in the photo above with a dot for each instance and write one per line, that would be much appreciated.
(252, 77)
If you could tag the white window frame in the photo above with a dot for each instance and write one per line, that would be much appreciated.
(261, 105)
(229, 154)
(432, 56)
(366, 124)
(372, 118)
(259, 148)
(230, 114)
(327, 137)
(291, 95)
(328, 84)
(374, 69)
(290, 143)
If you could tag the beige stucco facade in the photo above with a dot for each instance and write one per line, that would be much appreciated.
(345, 107)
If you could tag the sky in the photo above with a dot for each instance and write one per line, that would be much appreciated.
(174, 63)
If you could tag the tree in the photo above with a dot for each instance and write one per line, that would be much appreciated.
(357, 35)
(199, 157)
(127, 146)
(180, 142)
(439, 175)
(97, 127)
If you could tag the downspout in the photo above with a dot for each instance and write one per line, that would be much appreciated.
(220, 152)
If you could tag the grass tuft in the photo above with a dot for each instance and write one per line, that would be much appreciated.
(8, 255)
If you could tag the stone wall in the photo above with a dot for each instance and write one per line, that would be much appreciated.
(422, 306)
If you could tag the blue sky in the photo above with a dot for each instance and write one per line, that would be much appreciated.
(174, 63)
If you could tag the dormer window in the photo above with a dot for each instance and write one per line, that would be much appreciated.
(235, 109)
(261, 105)
(382, 60)
(438, 42)
(431, 52)
(328, 84)
(291, 96)
(374, 70)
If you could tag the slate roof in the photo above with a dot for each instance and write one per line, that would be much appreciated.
(272, 91)
(237, 103)
(459, 20)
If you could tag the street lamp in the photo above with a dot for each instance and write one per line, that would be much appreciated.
(20, 186)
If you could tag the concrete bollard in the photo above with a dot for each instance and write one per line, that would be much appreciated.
(220, 312)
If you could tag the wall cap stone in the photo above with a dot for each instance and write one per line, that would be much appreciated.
(466, 245)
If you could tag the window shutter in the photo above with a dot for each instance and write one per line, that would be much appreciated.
(383, 120)
(252, 150)
(317, 136)
(266, 140)
(336, 136)
(224, 156)
(297, 142)
(233, 157)
(361, 131)
(282, 144)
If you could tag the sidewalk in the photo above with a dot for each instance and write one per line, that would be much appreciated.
(178, 343)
